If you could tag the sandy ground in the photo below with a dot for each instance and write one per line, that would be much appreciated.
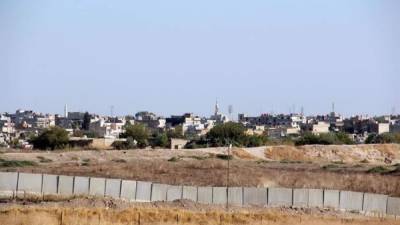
(108, 211)
(331, 167)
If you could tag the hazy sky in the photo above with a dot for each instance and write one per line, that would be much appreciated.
(173, 56)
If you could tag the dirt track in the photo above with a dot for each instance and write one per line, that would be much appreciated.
(278, 166)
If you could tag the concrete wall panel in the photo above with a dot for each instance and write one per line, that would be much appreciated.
(65, 185)
(50, 184)
(235, 196)
(159, 192)
(205, 195)
(174, 193)
(331, 199)
(255, 196)
(30, 182)
(316, 198)
(190, 193)
(128, 189)
(113, 188)
(143, 191)
(81, 185)
(6, 195)
(350, 200)
(393, 206)
(8, 181)
(300, 197)
(375, 203)
(219, 195)
(97, 186)
(280, 196)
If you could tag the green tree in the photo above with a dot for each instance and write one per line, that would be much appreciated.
(161, 140)
(177, 132)
(51, 138)
(137, 132)
(223, 134)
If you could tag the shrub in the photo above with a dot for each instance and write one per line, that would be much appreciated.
(224, 157)
(44, 160)
(173, 159)
(16, 163)
(384, 138)
(379, 169)
(124, 145)
(324, 139)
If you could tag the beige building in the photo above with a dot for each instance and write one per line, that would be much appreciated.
(320, 127)
(177, 143)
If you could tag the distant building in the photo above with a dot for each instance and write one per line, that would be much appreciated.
(178, 143)
(320, 127)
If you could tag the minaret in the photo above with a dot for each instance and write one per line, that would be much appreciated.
(65, 111)
(216, 108)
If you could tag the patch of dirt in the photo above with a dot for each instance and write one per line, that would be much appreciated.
(374, 154)
(242, 154)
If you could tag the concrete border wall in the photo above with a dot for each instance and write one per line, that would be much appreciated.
(128, 190)
(159, 192)
(315, 198)
(190, 193)
(300, 197)
(8, 181)
(205, 195)
(174, 193)
(97, 186)
(21, 183)
(81, 185)
(331, 199)
(143, 191)
(50, 184)
(393, 206)
(375, 203)
(219, 195)
(235, 196)
(350, 200)
(280, 197)
(113, 188)
(255, 196)
(65, 185)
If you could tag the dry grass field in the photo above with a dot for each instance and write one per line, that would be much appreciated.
(107, 212)
(366, 168)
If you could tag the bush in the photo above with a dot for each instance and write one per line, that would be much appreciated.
(224, 157)
(384, 138)
(16, 163)
(324, 139)
(124, 145)
(51, 138)
(379, 169)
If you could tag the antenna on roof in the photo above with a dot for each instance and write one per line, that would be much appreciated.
(112, 111)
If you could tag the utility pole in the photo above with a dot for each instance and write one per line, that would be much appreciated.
(227, 176)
